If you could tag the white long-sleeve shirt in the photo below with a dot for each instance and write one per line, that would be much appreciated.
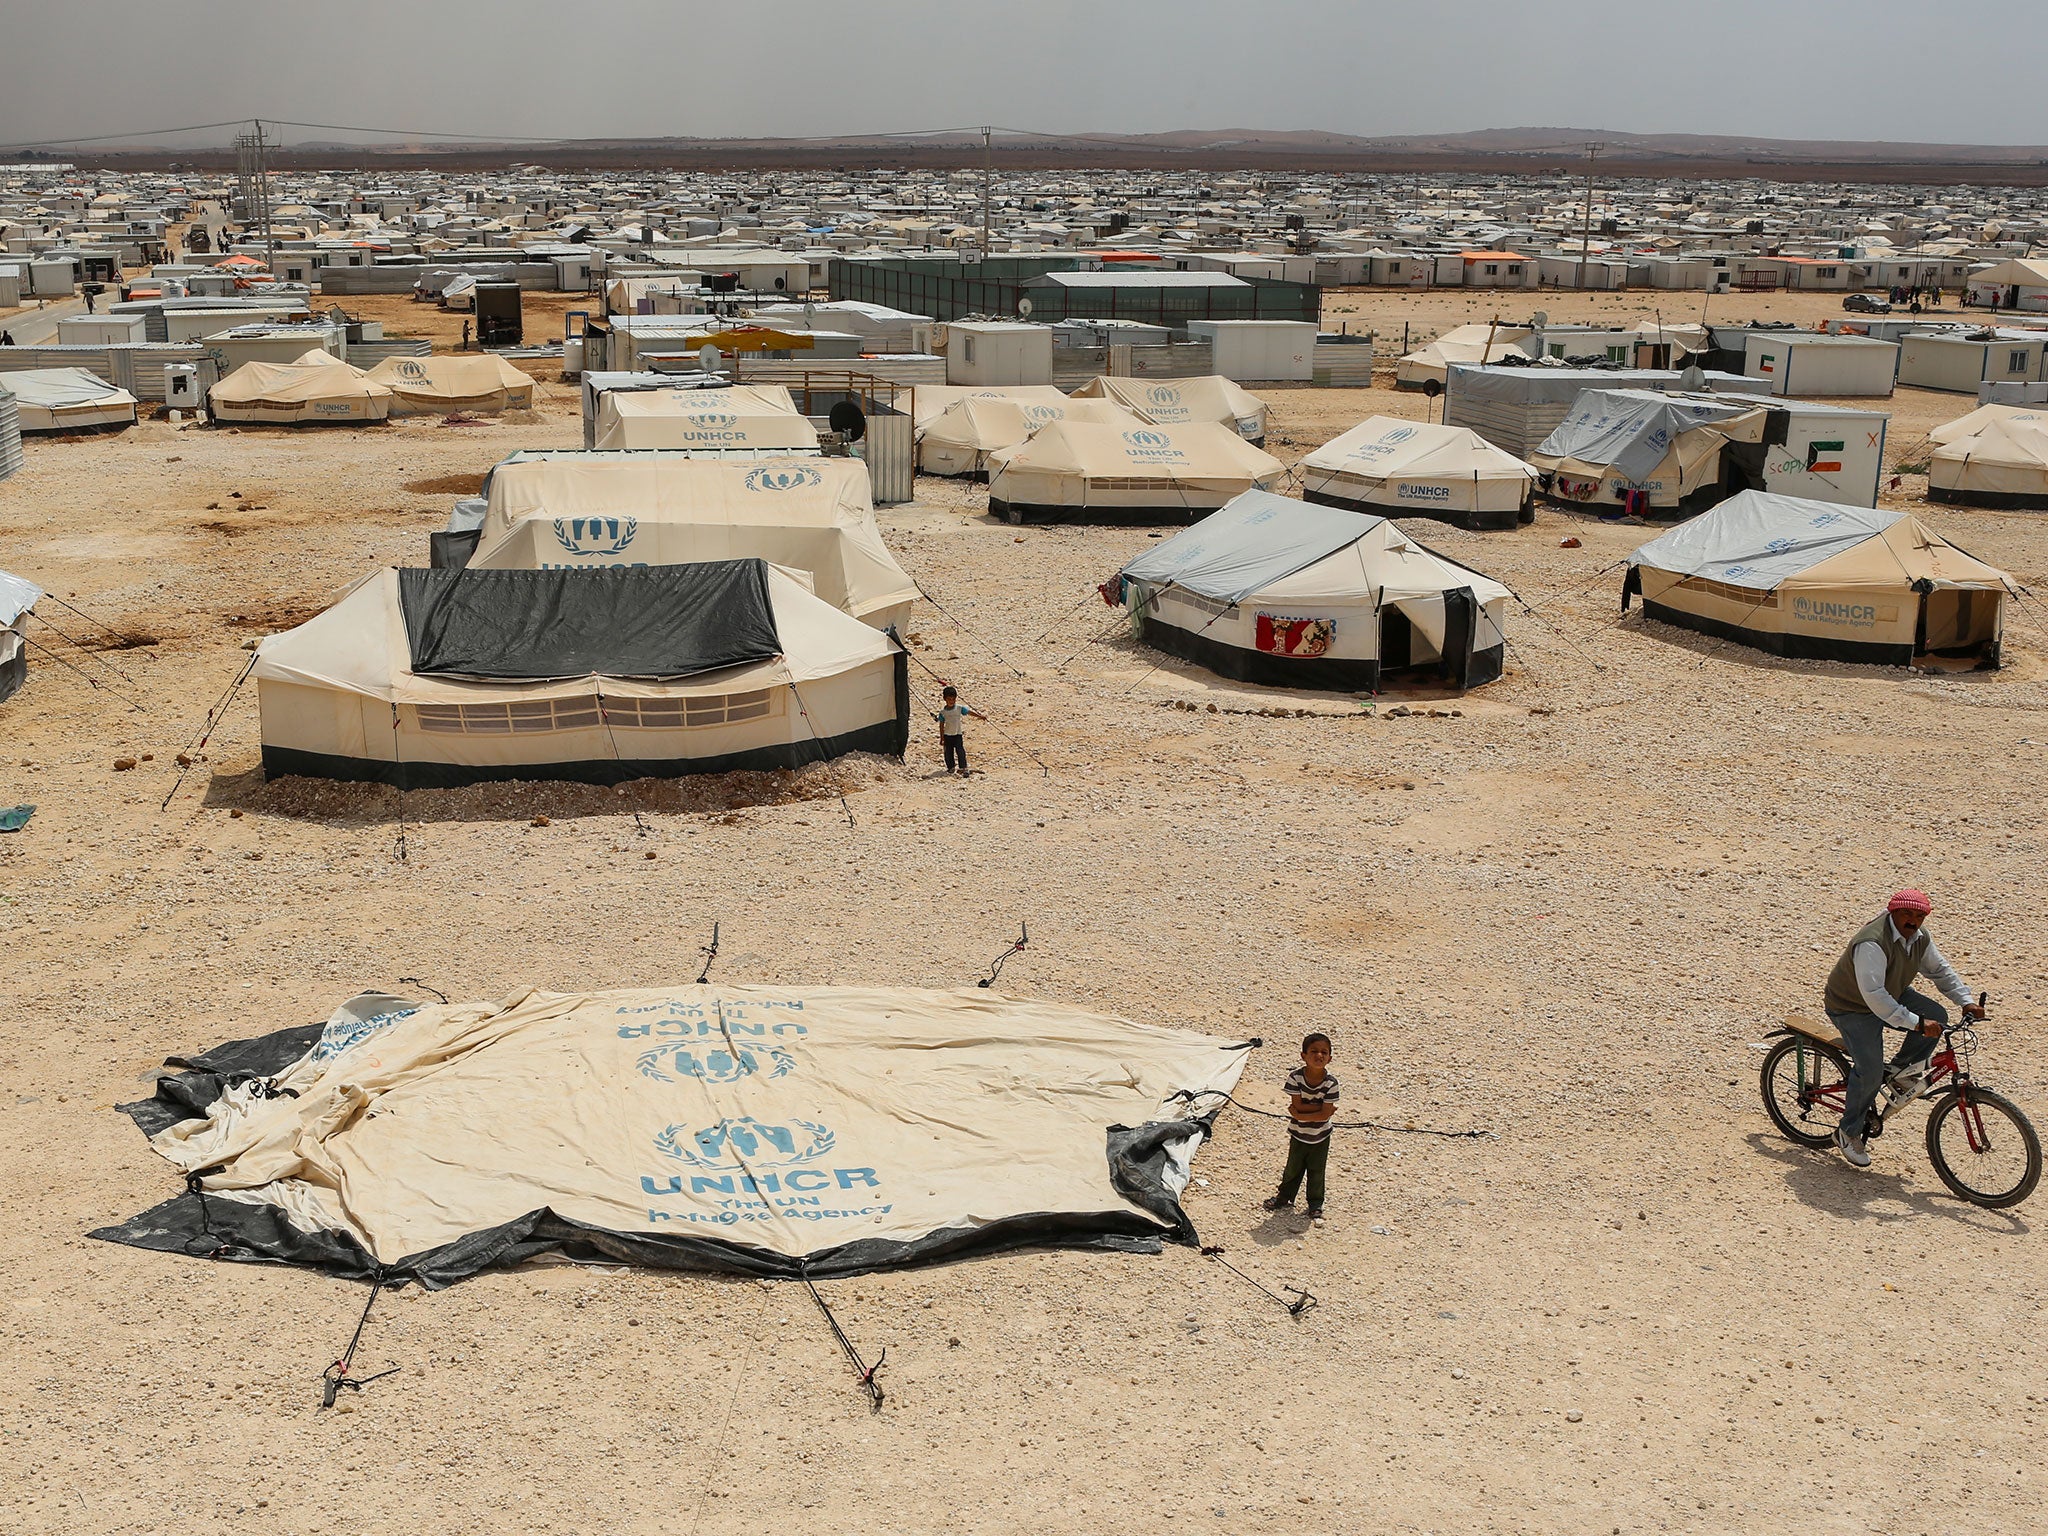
(1869, 962)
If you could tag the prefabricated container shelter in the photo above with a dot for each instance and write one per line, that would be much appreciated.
(101, 330)
(1259, 351)
(1799, 363)
(1962, 361)
(980, 353)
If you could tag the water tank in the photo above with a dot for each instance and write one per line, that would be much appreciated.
(572, 357)
(181, 387)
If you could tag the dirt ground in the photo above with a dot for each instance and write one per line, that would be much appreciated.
(1563, 914)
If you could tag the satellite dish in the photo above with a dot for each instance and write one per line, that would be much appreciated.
(782, 282)
(709, 357)
(848, 421)
(1432, 388)
(1024, 308)
(1693, 378)
(1539, 320)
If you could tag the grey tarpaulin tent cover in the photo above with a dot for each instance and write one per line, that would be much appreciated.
(18, 597)
(761, 1129)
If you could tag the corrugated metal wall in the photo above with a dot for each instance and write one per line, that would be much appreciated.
(1074, 366)
(10, 435)
(137, 367)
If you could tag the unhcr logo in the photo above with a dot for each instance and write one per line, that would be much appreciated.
(595, 535)
(719, 1065)
(1398, 435)
(736, 1145)
(1039, 415)
(1162, 394)
(1147, 439)
(793, 477)
(411, 371)
(714, 421)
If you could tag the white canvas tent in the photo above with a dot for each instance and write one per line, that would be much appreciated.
(69, 400)
(960, 441)
(18, 598)
(934, 400)
(1271, 590)
(433, 678)
(1207, 397)
(1468, 345)
(749, 416)
(1668, 447)
(1166, 474)
(2002, 462)
(447, 382)
(1822, 581)
(317, 388)
(1418, 469)
(813, 515)
(769, 1130)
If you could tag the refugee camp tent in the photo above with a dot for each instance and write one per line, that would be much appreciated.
(426, 678)
(960, 441)
(2003, 463)
(767, 1130)
(934, 400)
(1466, 345)
(1984, 416)
(69, 400)
(812, 515)
(1164, 474)
(1272, 590)
(1667, 447)
(1822, 581)
(756, 416)
(1416, 469)
(318, 387)
(445, 382)
(18, 598)
(1208, 397)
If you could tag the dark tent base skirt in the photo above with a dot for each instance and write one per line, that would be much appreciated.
(1792, 647)
(1475, 522)
(2012, 501)
(1165, 512)
(1344, 675)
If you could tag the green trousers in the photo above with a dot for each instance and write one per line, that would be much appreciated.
(1305, 1157)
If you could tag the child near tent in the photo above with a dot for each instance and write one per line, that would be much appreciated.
(1311, 1090)
(953, 717)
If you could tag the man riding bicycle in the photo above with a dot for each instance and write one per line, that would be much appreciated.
(1870, 991)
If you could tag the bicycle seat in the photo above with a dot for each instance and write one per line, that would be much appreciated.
(1815, 1029)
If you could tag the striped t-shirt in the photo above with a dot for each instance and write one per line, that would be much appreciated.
(1325, 1092)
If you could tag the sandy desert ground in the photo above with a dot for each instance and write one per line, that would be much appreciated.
(1563, 914)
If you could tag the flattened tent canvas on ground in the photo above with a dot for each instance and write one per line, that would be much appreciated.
(1415, 469)
(445, 383)
(69, 400)
(18, 597)
(1130, 474)
(784, 1131)
(318, 387)
(1207, 397)
(1825, 582)
(961, 439)
(1997, 456)
(815, 515)
(436, 678)
(757, 416)
(1271, 590)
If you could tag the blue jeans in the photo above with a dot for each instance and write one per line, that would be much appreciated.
(1863, 1033)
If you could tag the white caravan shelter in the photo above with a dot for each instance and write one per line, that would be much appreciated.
(317, 387)
(435, 678)
(69, 400)
(1271, 590)
(1416, 469)
(807, 514)
(753, 416)
(960, 441)
(1822, 581)
(1207, 397)
(446, 383)
(1158, 474)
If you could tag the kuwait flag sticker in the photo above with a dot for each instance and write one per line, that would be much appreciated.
(1824, 458)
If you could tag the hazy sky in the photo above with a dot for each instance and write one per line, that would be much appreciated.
(1876, 69)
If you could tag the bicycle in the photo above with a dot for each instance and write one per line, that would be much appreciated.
(1982, 1145)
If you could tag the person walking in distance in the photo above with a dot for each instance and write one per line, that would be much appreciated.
(953, 717)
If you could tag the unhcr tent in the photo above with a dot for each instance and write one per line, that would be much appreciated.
(318, 387)
(574, 512)
(1159, 474)
(69, 400)
(1816, 580)
(1271, 590)
(1416, 469)
(18, 598)
(1470, 345)
(2003, 463)
(1987, 415)
(1185, 402)
(960, 441)
(768, 1130)
(446, 383)
(427, 679)
(1617, 441)
(753, 416)
(933, 400)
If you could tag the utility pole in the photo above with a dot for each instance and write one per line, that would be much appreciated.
(987, 174)
(253, 172)
(1586, 229)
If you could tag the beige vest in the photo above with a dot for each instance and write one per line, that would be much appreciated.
(1901, 965)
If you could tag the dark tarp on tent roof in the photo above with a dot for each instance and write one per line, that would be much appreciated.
(613, 621)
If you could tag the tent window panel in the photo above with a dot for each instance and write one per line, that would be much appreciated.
(1748, 597)
(1195, 600)
(681, 714)
(1131, 483)
(523, 717)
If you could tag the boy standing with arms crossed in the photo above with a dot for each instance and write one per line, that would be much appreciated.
(1311, 1090)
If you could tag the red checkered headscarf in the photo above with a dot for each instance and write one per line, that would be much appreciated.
(1909, 901)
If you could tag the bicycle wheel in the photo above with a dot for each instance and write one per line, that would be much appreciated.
(1985, 1151)
(1805, 1084)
